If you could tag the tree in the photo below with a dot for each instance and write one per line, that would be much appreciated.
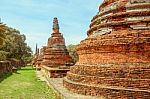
(3, 55)
(73, 53)
(27, 56)
(2, 34)
(15, 45)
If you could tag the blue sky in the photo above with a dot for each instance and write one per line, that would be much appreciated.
(34, 18)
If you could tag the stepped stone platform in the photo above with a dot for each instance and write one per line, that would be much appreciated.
(54, 72)
(110, 81)
(114, 60)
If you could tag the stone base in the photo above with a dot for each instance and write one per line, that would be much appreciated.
(111, 81)
(54, 72)
(108, 92)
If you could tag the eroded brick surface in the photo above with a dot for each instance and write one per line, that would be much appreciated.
(54, 59)
(114, 60)
(56, 53)
(5, 67)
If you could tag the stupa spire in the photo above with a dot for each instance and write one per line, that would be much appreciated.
(55, 25)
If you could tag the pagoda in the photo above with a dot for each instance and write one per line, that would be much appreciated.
(56, 56)
(40, 57)
(36, 55)
(114, 60)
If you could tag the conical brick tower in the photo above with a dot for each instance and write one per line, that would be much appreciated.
(114, 60)
(40, 57)
(56, 54)
(35, 58)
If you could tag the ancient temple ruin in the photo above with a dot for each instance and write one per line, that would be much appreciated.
(56, 57)
(114, 60)
(35, 58)
(40, 57)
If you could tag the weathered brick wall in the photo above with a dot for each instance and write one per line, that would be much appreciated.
(124, 70)
(112, 81)
(17, 63)
(116, 47)
(5, 67)
(127, 77)
(106, 92)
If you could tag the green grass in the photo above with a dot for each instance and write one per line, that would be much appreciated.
(24, 85)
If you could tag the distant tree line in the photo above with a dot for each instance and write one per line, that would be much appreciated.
(73, 53)
(13, 45)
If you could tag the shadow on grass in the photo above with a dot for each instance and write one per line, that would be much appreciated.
(4, 76)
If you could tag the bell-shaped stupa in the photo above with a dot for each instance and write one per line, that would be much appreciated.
(114, 60)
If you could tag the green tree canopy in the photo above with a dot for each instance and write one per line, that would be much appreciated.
(14, 44)
(2, 33)
(73, 53)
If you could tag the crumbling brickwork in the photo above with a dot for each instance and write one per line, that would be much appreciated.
(5, 67)
(40, 57)
(56, 53)
(114, 60)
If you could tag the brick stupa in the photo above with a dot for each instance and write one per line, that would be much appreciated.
(35, 58)
(40, 57)
(56, 54)
(114, 60)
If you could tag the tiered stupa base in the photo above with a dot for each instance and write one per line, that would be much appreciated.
(110, 81)
(55, 64)
(112, 67)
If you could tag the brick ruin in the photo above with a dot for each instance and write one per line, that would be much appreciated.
(5, 67)
(40, 57)
(10, 65)
(114, 60)
(56, 53)
(56, 59)
(35, 58)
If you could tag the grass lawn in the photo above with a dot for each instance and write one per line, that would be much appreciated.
(24, 85)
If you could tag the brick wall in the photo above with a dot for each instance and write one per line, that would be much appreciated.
(106, 92)
(5, 67)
